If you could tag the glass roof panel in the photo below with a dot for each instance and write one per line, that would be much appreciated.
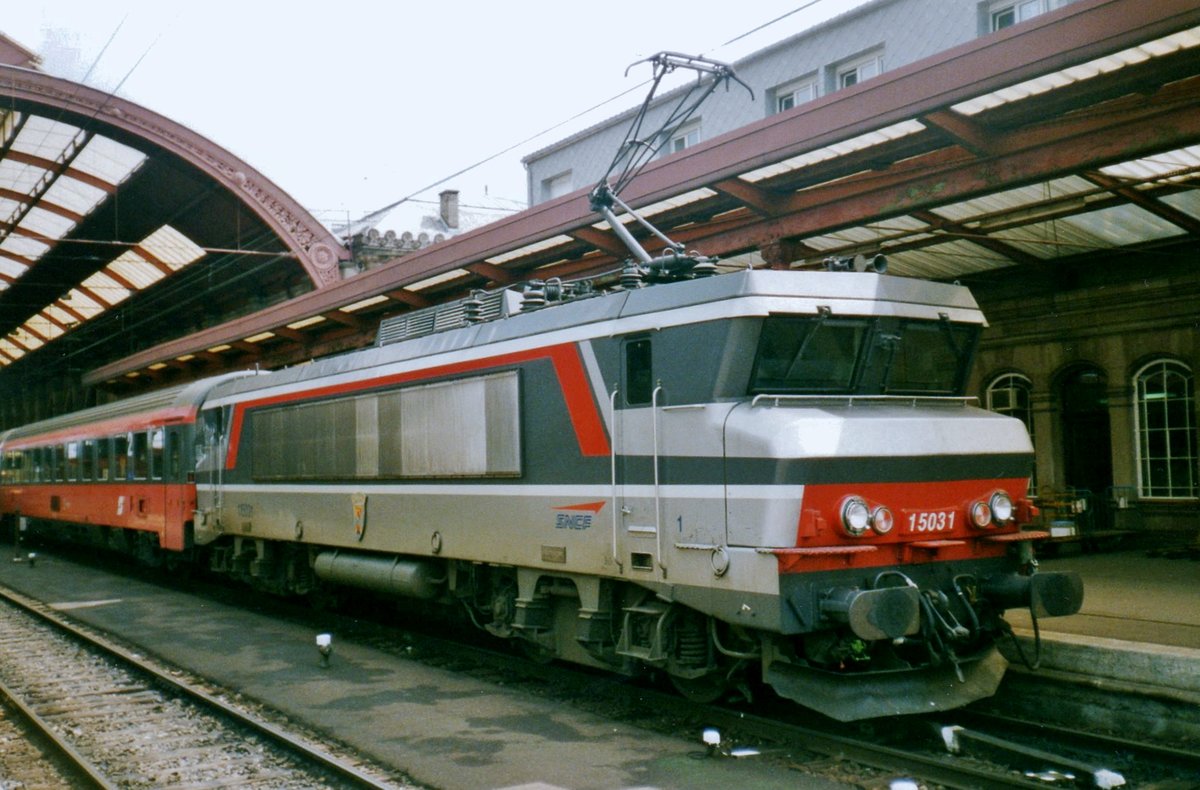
(11, 349)
(22, 336)
(310, 321)
(134, 269)
(1167, 166)
(887, 133)
(676, 202)
(10, 267)
(1012, 200)
(44, 137)
(81, 303)
(1084, 71)
(109, 160)
(61, 316)
(894, 228)
(373, 300)
(107, 288)
(24, 246)
(45, 223)
(950, 259)
(44, 327)
(1187, 202)
(172, 247)
(1048, 240)
(19, 177)
(74, 195)
(529, 249)
(1123, 225)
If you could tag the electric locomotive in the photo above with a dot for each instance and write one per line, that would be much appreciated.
(769, 472)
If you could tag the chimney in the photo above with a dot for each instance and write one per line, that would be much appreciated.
(449, 208)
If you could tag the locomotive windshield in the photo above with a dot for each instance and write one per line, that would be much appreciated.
(862, 356)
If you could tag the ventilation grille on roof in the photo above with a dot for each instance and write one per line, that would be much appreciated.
(480, 306)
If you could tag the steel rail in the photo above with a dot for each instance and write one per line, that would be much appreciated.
(1089, 741)
(62, 746)
(313, 754)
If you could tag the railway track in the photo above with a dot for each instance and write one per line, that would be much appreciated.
(120, 721)
(866, 754)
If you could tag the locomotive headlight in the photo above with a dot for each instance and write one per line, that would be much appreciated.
(981, 515)
(856, 516)
(1002, 508)
(881, 520)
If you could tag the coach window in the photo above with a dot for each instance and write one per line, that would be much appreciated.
(87, 461)
(639, 375)
(156, 454)
(141, 455)
(120, 446)
(1166, 428)
(103, 458)
(60, 463)
(72, 449)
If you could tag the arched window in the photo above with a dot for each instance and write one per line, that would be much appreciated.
(1166, 427)
(1012, 395)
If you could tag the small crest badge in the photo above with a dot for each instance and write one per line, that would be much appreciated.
(358, 502)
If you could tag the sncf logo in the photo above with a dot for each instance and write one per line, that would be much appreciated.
(576, 516)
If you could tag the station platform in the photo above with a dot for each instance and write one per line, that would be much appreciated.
(1139, 626)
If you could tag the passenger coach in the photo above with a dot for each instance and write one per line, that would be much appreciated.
(122, 474)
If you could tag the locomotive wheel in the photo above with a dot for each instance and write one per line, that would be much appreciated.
(704, 689)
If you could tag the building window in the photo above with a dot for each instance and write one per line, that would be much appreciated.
(1012, 396)
(684, 137)
(1165, 410)
(795, 93)
(1007, 13)
(860, 70)
(556, 186)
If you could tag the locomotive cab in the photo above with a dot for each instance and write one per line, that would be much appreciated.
(899, 525)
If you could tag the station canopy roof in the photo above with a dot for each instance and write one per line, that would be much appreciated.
(1072, 136)
(119, 228)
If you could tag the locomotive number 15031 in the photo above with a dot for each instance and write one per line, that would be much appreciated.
(931, 521)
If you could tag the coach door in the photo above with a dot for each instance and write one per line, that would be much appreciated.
(637, 540)
(210, 446)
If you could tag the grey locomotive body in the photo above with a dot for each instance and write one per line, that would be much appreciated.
(759, 470)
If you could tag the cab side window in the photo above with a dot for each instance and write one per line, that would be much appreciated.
(639, 375)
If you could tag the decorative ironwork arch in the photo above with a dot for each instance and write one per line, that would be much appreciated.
(315, 248)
